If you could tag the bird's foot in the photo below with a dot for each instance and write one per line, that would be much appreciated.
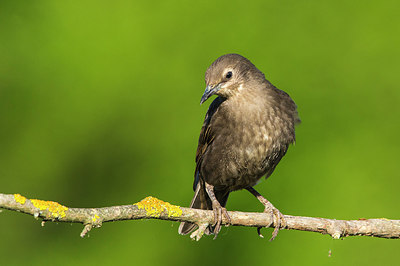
(278, 219)
(198, 234)
(219, 211)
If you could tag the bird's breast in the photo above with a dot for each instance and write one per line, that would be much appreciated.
(237, 156)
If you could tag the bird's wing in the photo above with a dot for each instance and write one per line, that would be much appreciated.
(206, 137)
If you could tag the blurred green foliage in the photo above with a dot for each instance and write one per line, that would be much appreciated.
(99, 106)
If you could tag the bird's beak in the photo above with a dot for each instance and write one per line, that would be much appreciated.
(210, 90)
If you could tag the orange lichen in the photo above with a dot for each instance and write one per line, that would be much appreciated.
(155, 207)
(19, 198)
(57, 210)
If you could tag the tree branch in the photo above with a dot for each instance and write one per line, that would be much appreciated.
(152, 208)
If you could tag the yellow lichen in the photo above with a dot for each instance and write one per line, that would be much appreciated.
(95, 218)
(57, 210)
(155, 207)
(19, 198)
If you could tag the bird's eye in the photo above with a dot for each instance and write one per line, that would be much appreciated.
(229, 75)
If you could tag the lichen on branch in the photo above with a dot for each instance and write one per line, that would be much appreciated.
(153, 208)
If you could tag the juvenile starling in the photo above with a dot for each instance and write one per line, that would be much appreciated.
(246, 132)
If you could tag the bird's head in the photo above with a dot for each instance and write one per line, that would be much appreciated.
(228, 75)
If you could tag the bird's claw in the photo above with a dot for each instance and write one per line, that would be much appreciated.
(278, 220)
(259, 232)
(197, 235)
(218, 212)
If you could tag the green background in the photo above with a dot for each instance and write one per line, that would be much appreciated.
(99, 106)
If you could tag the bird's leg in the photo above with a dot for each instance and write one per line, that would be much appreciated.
(217, 208)
(279, 221)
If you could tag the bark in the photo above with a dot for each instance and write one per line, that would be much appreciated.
(153, 208)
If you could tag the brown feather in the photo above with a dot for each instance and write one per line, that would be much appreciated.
(246, 131)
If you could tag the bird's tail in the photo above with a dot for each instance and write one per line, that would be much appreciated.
(203, 202)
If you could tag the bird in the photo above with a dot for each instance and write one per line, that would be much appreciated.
(246, 132)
